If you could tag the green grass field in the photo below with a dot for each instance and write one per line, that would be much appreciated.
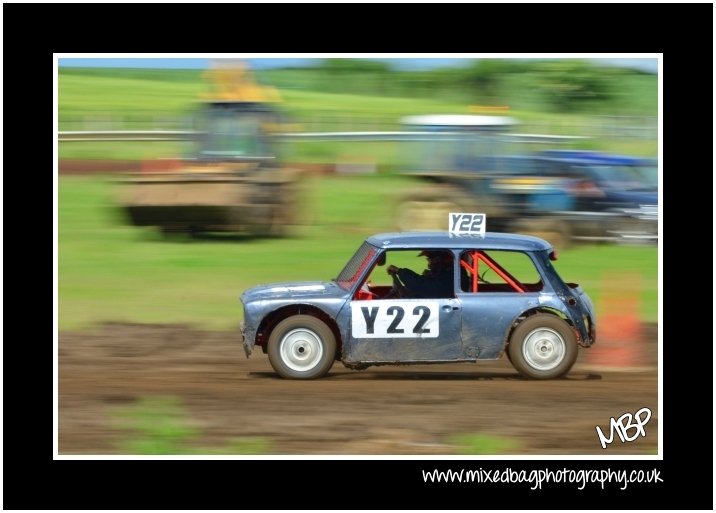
(115, 99)
(109, 271)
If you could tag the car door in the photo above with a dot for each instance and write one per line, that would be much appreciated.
(487, 320)
(404, 330)
(493, 302)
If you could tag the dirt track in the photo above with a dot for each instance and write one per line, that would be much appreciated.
(381, 410)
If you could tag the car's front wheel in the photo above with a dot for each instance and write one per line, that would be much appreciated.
(543, 346)
(302, 347)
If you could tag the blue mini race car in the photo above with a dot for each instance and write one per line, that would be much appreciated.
(481, 296)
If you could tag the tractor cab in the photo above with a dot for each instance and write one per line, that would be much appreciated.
(236, 131)
(455, 144)
(475, 162)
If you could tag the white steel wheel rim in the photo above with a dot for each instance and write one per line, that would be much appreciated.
(544, 349)
(301, 349)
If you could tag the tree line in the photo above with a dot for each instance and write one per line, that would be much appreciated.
(556, 85)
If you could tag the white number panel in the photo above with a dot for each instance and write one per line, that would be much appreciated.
(395, 319)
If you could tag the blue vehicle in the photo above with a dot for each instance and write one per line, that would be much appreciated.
(475, 163)
(503, 297)
(614, 197)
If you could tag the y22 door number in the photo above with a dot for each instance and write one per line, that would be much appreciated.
(395, 319)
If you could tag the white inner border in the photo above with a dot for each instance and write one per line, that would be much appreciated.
(58, 56)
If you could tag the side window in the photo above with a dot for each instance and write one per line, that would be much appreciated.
(410, 274)
(498, 271)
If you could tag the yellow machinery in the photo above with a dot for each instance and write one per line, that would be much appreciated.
(233, 182)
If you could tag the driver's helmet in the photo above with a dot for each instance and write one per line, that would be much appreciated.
(437, 258)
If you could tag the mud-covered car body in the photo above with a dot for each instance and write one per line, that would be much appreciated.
(373, 327)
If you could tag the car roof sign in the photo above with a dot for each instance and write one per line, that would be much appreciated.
(461, 223)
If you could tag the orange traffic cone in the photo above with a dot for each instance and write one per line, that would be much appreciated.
(620, 343)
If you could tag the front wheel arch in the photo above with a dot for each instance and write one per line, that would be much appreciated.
(269, 322)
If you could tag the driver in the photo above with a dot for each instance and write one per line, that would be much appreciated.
(437, 281)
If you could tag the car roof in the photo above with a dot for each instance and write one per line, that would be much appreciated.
(440, 240)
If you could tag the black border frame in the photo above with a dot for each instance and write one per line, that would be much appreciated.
(33, 480)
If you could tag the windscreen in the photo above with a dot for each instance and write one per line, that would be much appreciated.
(619, 177)
(355, 267)
(232, 133)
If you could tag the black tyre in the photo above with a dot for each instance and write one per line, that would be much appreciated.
(543, 346)
(301, 347)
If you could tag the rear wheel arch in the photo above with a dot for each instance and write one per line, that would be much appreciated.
(534, 311)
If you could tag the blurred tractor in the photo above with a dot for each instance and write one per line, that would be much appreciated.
(233, 181)
(472, 163)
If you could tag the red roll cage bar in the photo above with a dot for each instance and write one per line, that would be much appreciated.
(473, 269)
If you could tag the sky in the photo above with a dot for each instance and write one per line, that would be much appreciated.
(648, 64)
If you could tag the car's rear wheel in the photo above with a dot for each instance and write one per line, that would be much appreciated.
(543, 346)
(301, 347)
